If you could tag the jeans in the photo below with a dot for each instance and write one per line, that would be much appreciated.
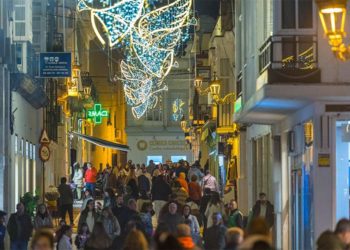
(78, 190)
(91, 187)
(67, 208)
(19, 245)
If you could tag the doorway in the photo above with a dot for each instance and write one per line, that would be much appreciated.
(342, 161)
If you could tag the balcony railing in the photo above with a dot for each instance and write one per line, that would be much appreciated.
(295, 56)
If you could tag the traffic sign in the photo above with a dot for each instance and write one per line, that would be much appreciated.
(44, 138)
(44, 152)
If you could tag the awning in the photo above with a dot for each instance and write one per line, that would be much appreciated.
(102, 143)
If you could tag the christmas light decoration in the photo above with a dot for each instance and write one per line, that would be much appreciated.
(116, 20)
(151, 38)
(178, 110)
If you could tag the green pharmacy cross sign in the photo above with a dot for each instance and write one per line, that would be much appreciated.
(97, 113)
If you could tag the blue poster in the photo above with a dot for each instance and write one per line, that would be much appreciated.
(55, 64)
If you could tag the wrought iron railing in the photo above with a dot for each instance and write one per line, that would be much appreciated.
(290, 52)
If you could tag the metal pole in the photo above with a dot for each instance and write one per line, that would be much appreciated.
(43, 181)
(64, 25)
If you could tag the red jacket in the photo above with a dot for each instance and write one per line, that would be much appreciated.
(90, 175)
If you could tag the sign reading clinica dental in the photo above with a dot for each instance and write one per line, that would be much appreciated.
(55, 64)
(97, 114)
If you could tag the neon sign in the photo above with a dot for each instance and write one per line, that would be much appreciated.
(97, 113)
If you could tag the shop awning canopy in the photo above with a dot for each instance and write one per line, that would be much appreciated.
(102, 143)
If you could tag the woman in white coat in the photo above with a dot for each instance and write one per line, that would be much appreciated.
(78, 179)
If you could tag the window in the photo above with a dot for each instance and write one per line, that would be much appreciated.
(19, 53)
(176, 158)
(33, 152)
(156, 158)
(27, 149)
(20, 13)
(36, 22)
(20, 29)
(297, 14)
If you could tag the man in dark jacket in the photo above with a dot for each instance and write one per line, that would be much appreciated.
(263, 208)
(214, 236)
(120, 210)
(160, 193)
(66, 200)
(172, 219)
(19, 228)
(144, 181)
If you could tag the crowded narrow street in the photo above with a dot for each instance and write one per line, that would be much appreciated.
(174, 125)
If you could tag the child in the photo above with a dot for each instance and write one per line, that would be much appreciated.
(82, 236)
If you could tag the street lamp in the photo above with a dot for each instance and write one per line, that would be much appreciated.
(215, 89)
(332, 15)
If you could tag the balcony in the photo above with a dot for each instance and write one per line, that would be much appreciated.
(289, 59)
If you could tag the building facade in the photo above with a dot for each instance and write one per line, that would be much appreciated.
(293, 95)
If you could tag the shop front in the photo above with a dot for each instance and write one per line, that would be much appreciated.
(160, 148)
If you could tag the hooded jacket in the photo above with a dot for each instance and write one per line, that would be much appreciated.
(182, 181)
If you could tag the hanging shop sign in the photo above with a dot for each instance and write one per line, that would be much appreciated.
(55, 65)
(97, 114)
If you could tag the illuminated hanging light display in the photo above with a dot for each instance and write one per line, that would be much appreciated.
(178, 111)
(152, 36)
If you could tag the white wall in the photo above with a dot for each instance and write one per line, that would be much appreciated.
(27, 126)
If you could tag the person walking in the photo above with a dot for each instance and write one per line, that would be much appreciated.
(160, 192)
(194, 190)
(195, 170)
(146, 218)
(195, 230)
(99, 239)
(214, 236)
(66, 200)
(78, 179)
(182, 181)
(64, 238)
(110, 223)
(181, 194)
(88, 216)
(210, 182)
(172, 218)
(263, 208)
(235, 217)
(90, 178)
(19, 228)
(42, 240)
(144, 181)
(42, 218)
(215, 206)
(82, 237)
(109, 198)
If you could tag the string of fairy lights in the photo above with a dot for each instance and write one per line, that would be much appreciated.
(150, 38)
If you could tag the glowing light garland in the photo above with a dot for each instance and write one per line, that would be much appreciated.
(153, 37)
(178, 110)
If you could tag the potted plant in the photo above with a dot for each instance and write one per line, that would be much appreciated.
(30, 202)
(51, 196)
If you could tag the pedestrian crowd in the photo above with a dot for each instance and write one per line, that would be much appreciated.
(137, 207)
